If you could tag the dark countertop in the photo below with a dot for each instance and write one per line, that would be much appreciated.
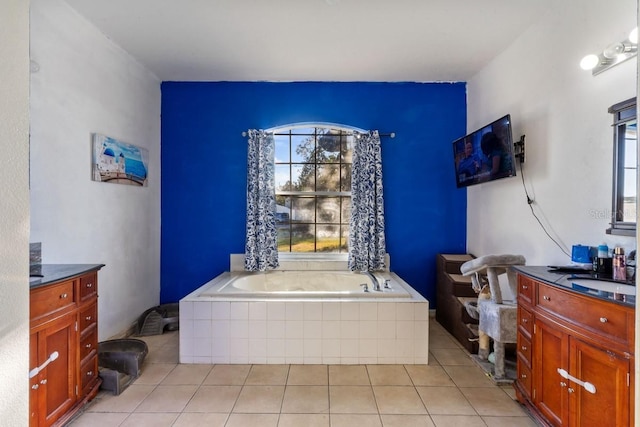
(49, 273)
(586, 283)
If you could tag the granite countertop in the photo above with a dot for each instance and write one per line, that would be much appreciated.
(43, 274)
(587, 283)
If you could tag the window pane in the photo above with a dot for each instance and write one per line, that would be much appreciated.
(302, 148)
(629, 183)
(347, 149)
(329, 147)
(344, 232)
(303, 238)
(630, 153)
(283, 179)
(328, 210)
(629, 210)
(328, 238)
(283, 239)
(629, 196)
(283, 203)
(282, 149)
(345, 176)
(303, 177)
(328, 178)
(346, 209)
(303, 209)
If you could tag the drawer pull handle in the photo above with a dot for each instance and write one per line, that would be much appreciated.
(87, 318)
(43, 382)
(35, 386)
(546, 298)
(525, 287)
(87, 345)
(563, 384)
(570, 390)
(63, 296)
(523, 375)
(90, 373)
(604, 320)
(89, 285)
(524, 348)
(525, 320)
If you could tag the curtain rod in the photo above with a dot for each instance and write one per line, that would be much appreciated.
(390, 134)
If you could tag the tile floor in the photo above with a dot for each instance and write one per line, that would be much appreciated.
(450, 391)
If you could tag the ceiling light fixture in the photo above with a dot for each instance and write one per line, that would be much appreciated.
(613, 54)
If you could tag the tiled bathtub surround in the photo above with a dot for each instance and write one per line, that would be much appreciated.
(309, 331)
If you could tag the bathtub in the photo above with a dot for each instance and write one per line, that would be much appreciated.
(305, 313)
(305, 284)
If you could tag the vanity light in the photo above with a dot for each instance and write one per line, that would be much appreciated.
(589, 62)
(612, 55)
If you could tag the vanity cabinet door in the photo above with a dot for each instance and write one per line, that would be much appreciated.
(551, 351)
(609, 373)
(53, 388)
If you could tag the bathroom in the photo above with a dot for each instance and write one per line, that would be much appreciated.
(161, 242)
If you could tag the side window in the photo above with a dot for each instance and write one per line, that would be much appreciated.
(313, 189)
(625, 149)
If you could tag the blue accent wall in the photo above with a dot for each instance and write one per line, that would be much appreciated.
(204, 168)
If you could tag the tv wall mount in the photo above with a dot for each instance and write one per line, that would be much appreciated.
(518, 149)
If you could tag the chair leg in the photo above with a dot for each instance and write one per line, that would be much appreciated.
(498, 349)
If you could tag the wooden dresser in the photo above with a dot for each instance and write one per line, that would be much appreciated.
(63, 356)
(575, 350)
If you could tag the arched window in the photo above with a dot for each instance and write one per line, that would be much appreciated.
(313, 188)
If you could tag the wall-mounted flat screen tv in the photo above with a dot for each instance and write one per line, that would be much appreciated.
(485, 155)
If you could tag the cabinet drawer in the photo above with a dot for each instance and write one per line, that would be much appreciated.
(524, 378)
(525, 321)
(525, 289)
(52, 299)
(88, 317)
(524, 348)
(603, 318)
(88, 374)
(88, 286)
(89, 344)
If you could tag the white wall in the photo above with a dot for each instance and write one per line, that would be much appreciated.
(82, 83)
(14, 212)
(562, 110)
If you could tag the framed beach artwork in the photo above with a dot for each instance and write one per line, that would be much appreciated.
(118, 162)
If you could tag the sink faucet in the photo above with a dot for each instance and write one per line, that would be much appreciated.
(374, 280)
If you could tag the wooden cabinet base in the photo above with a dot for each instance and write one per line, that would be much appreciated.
(575, 355)
(63, 347)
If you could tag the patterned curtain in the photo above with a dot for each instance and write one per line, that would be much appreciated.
(366, 229)
(261, 248)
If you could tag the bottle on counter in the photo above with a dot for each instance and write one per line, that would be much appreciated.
(601, 260)
(603, 251)
(619, 265)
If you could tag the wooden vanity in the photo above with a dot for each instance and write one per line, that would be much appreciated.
(575, 350)
(63, 342)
